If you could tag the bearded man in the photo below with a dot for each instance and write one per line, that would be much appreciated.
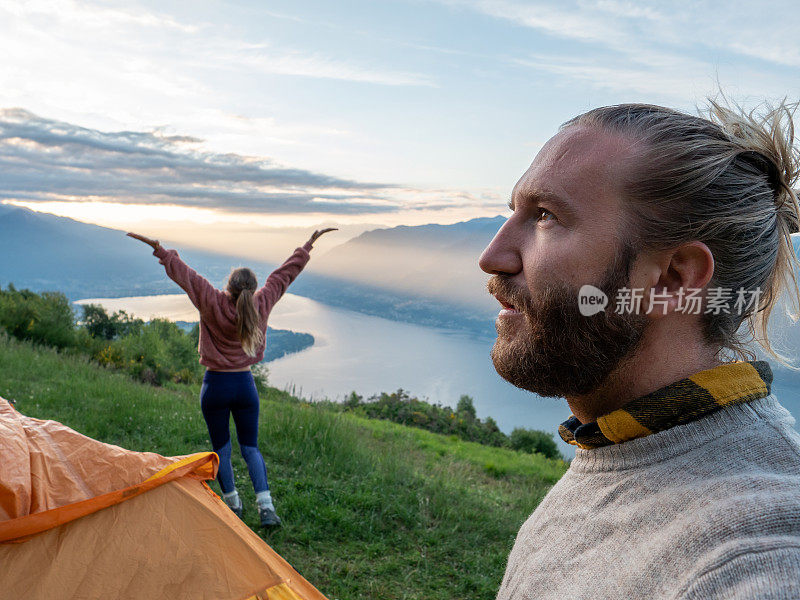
(686, 479)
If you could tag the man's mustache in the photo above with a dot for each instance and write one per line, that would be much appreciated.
(509, 292)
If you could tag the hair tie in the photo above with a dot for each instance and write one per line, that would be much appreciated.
(767, 166)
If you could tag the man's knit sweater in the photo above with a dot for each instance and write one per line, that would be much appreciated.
(707, 509)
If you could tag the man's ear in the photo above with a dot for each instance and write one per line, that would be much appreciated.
(673, 275)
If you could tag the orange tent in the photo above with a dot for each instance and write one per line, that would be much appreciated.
(84, 519)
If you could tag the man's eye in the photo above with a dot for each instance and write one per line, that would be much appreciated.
(545, 215)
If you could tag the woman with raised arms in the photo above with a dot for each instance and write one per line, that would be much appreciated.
(233, 326)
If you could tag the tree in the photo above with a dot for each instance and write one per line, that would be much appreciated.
(100, 325)
(466, 407)
(45, 318)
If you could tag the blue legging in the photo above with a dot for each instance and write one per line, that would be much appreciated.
(222, 394)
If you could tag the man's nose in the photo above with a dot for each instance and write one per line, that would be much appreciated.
(502, 256)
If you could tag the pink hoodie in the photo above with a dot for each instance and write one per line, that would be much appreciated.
(220, 347)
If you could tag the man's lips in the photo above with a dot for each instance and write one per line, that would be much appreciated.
(508, 308)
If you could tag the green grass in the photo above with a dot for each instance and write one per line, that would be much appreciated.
(371, 509)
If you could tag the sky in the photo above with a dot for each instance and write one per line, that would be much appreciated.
(216, 123)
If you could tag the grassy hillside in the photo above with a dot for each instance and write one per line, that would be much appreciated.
(371, 509)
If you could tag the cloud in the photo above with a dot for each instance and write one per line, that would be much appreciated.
(47, 160)
(263, 58)
(113, 35)
(652, 47)
(676, 81)
(81, 14)
(630, 26)
(585, 23)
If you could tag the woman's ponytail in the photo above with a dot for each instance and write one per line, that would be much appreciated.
(241, 285)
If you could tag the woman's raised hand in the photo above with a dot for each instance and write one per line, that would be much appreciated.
(315, 236)
(153, 243)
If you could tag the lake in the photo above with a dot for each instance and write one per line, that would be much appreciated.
(369, 355)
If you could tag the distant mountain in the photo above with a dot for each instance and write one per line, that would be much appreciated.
(46, 252)
(432, 261)
(426, 275)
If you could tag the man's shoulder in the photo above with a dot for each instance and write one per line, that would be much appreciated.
(764, 567)
(750, 475)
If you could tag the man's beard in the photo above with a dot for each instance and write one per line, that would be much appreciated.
(560, 352)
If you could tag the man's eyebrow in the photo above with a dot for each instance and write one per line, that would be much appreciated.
(540, 196)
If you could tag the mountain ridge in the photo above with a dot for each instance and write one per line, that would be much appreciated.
(85, 260)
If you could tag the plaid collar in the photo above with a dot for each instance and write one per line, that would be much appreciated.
(674, 404)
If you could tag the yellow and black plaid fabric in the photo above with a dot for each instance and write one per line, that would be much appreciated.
(675, 404)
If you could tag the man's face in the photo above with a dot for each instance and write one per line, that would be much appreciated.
(564, 232)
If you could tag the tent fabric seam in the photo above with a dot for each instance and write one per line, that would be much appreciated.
(15, 530)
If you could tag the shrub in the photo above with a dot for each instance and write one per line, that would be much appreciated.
(463, 423)
(111, 356)
(531, 440)
(352, 401)
(155, 353)
(495, 470)
(45, 318)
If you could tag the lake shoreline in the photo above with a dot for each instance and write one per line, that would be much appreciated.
(370, 355)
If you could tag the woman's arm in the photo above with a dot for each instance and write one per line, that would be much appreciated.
(283, 276)
(198, 288)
